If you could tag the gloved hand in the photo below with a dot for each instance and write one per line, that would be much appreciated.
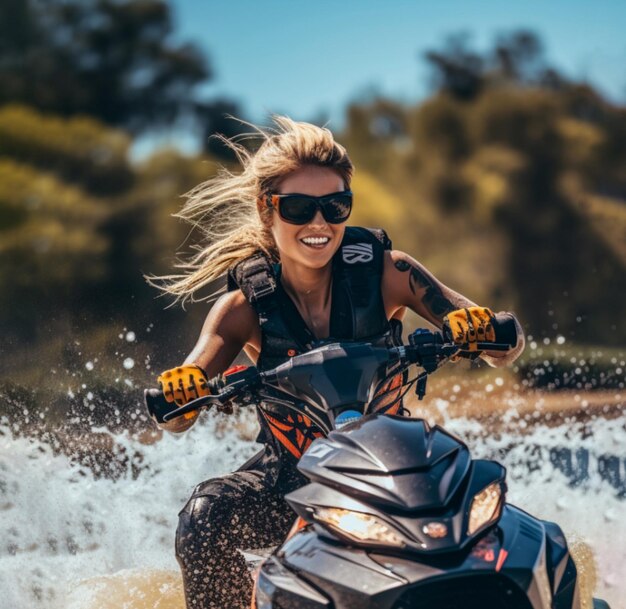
(183, 384)
(158, 407)
(468, 327)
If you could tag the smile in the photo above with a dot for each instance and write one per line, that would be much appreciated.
(315, 241)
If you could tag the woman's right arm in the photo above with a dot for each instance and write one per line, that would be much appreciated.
(230, 326)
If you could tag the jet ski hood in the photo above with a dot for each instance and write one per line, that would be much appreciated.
(390, 460)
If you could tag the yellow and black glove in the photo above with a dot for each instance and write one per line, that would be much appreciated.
(183, 384)
(469, 326)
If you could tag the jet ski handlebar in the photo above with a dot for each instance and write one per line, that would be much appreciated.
(427, 349)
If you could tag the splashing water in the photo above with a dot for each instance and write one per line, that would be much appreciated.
(62, 524)
(73, 539)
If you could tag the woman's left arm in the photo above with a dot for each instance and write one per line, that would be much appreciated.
(407, 283)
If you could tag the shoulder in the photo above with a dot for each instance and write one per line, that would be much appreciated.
(233, 312)
(397, 263)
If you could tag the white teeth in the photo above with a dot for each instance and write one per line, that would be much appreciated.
(315, 240)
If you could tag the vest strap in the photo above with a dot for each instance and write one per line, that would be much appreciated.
(357, 308)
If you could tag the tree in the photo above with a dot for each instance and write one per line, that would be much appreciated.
(219, 117)
(515, 58)
(110, 59)
(518, 57)
(457, 70)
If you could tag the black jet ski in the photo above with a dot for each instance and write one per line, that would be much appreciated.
(397, 515)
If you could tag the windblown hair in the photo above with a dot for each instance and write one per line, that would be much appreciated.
(225, 208)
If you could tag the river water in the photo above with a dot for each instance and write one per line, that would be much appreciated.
(73, 538)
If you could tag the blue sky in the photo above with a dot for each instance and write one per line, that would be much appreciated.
(305, 58)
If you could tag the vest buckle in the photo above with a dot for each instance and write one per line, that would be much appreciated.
(264, 289)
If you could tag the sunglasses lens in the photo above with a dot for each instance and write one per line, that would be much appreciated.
(297, 210)
(337, 208)
(300, 209)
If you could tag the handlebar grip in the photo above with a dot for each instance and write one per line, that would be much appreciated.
(158, 407)
(505, 327)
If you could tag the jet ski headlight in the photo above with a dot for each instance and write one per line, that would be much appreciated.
(358, 526)
(485, 507)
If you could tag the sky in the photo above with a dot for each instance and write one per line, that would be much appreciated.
(308, 59)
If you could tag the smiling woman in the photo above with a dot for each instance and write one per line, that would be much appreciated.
(298, 277)
(231, 209)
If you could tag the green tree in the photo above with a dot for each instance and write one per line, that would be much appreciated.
(518, 173)
(74, 248)
(516, 58)
(114, 60)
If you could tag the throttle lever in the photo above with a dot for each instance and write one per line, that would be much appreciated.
(429, 346)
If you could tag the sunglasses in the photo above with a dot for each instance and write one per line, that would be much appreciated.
(301, 209)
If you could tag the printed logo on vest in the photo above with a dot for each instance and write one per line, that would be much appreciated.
(359, 252)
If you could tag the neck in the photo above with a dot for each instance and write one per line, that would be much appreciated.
(307, 287)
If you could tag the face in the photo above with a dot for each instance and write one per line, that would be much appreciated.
(294, 241)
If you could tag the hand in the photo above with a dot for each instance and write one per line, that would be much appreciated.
(469, 326)
(157, 405)
(183, 384)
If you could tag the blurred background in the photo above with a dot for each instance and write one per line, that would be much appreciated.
(500, 168)
(489, 141)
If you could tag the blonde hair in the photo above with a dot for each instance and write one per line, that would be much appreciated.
(225, 208)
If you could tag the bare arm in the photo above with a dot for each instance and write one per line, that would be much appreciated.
(407, 283)
(230, 326)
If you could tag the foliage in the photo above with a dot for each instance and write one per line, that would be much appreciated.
(516, 59)
(515, 180)
(42, 216)
(109, 59)
(79, 225)
(221, 117)
(78, 149)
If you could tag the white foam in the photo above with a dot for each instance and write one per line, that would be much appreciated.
(61, 525)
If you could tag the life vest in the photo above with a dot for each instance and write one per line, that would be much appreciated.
(357, 314)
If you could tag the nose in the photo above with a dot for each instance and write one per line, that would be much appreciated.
(318, 220)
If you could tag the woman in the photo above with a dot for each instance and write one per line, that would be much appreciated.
(297, 277)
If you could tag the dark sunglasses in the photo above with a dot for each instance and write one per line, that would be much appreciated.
(301, 209)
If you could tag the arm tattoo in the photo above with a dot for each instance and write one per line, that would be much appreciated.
(433, 298)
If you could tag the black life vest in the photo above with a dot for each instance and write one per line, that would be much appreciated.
(357, 313)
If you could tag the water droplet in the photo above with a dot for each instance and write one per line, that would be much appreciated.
(89, 395)
(129, 363)
(489, 388)
(560, 340)
(610, 581)
(561, 503)
(89, 365)
(130, 337)
(456, 388)
(499, 381)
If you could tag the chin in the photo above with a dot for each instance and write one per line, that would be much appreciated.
(314, 262)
